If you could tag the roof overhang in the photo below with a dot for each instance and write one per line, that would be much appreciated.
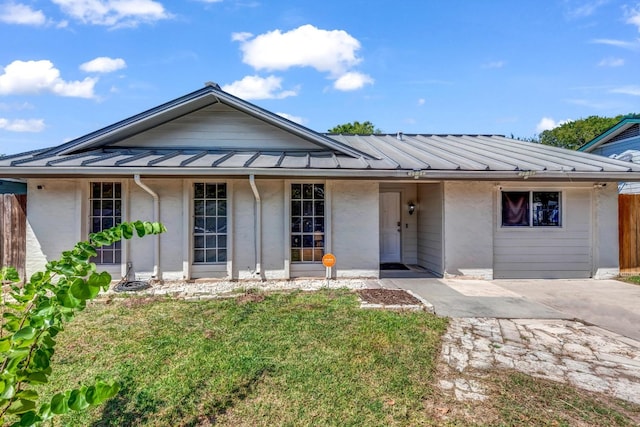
(371, 174)
(614, 131)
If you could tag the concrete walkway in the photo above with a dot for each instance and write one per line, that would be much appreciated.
(532, 326)
(610, 304)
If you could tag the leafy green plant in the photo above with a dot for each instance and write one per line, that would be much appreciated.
(34, 313)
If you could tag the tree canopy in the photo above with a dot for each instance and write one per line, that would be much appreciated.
(355, 128)
(575, 134)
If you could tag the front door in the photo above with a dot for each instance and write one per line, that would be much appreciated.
(390, 227)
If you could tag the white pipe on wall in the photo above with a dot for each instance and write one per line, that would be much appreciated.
(156, 218)
(257, 224)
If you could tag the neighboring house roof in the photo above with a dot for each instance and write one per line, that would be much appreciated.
(625, 128)
(191, 135)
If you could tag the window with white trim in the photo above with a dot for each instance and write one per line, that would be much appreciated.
(209, 223)
(105, 201)
(531, 209)
(307, 222)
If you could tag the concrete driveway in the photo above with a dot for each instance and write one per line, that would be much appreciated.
(610, 304)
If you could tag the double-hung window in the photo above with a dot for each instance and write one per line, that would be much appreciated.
(106, 211)
(307, 222)
(531, 209)
(209, 223)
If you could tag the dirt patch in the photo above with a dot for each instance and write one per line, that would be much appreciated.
(387, 297)
(250, 297)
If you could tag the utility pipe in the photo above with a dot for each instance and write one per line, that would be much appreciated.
(257, 224)
(156, 218)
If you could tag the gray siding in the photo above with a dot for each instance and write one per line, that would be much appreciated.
(217, 126)
(618, 147)
(548, 252)
(430, 227)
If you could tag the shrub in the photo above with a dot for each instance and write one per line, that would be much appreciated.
(34, 313)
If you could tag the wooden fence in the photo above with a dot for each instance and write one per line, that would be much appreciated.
(629, 233)
(13, 231)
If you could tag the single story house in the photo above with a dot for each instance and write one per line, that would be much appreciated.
(621, 142)
(245, 193)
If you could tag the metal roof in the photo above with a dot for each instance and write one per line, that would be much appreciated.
(434, 156)
(384, 156)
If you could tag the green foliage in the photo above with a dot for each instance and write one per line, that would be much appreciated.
(575, 134)
(356, 128)
(33, 314)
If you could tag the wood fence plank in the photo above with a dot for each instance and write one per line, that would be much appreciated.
(629, 233)
(13, 231)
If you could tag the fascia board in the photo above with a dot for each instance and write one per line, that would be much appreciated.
(87, 172)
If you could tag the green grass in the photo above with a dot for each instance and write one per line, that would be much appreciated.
(288, 359)
(630, 279)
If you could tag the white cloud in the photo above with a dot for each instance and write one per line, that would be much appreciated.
(35, 77)
(256, 87)
(494, 64)
(21, 125)
(114, 13)
(611, 62)
(633, 16)
(296, 119)
(306, 46)
(103, 64)
(547, 123)
(352, 80)
(634, 45)
(584, 8)
(241, 37)
(633, 90)
(15, 13)
(421, 102)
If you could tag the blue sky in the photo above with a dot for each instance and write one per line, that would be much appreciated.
(69, 67)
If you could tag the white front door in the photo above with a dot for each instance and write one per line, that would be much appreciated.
(390, 227)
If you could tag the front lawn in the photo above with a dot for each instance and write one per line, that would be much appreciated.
(297, 359)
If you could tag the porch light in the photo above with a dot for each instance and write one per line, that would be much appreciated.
(412, 208)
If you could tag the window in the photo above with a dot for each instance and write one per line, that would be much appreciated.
(209, 223)
(106, 211)
(307, 222)
(531, 209)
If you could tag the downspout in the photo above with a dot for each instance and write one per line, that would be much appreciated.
(156, 218)
(257, 227)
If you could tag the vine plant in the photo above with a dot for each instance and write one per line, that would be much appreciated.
(34, 313)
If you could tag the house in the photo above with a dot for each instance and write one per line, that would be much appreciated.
(13, 186)
(245, 193)
(621, 142)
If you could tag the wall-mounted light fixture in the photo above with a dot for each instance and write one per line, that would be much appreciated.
(412, 208)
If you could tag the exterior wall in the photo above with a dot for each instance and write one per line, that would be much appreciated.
(273, 227)
(430, 243)
(354, 234)
(618, 147)
(217, 126)
(468, 228)
(139, 206)
(606, 258)
(351, 228)
(51, 225)
(548, 252)
(409, 223)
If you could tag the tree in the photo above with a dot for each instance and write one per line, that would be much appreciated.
(575, 134)
(33, 314)
(356, 128)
